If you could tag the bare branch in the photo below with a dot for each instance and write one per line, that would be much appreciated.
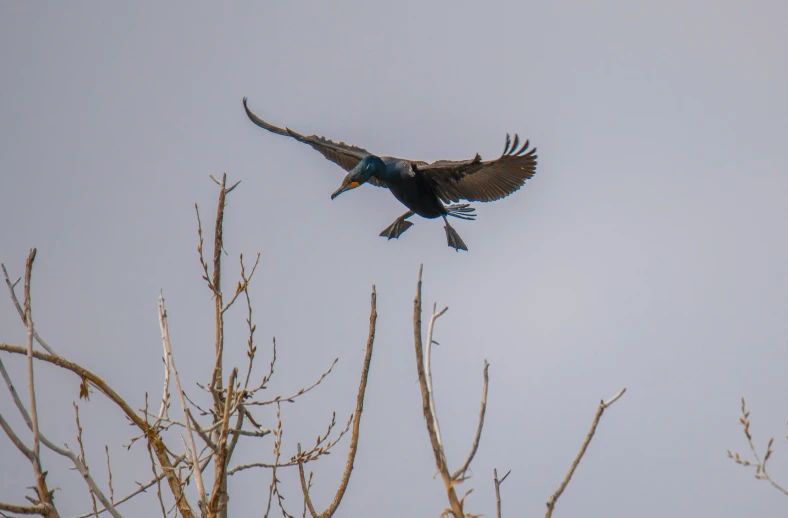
(437, 449)
(44, 496)
(460, 473)
(498, 491)
(216, 281)
(46, 442)
(165, 337)
(274, 488)
(109, 476)
(600, 410)
(252, 349)
(142, 488)
(308, 487)
(758, 464)
(31, 420)
(316, 452)
(165, 396)
(362, 387)
(27, 452)
(151, 434)
(305, 487)
(301, 392)
(204, 436)
(157, 479)
(203, 264)
(82, 454)
(428, 369)
(243, 287)
(21, 312)
(25, 509)
(218, 495)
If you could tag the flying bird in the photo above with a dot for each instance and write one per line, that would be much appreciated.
(428, 190)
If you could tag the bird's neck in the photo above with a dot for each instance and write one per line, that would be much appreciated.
(385, 172)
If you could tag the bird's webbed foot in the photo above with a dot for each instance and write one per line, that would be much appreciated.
(400, 225)
(453, 238)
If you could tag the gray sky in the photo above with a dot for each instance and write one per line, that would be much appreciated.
(648, 252)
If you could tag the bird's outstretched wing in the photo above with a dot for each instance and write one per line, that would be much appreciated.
(475, 180)
(344, 155)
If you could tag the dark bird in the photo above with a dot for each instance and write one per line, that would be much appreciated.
(425, 188)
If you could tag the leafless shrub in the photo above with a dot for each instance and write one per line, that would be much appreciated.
(211, 434)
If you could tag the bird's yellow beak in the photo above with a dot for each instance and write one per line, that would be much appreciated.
(347, 184)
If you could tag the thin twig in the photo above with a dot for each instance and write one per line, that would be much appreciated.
(157, 478)
(239, 422)
(428, 368)
(252, 349)
(21, 311)
(460, 473)
(600, 410)
(109, 476)
(301, 392)
(759, 465)
(27, 452)
(308, 488)
(165, 337)
(274, 488)
(165, 396)
(203, 264)
(203, 435)
(362, 387)
(142, 488)
(82, 454)
(316, 452)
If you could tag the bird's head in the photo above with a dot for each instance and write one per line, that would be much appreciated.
(369, 166)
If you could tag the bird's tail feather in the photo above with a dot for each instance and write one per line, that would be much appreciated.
(461, 211)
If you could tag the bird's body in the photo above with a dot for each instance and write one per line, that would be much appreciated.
(410, 187)
(425, 188)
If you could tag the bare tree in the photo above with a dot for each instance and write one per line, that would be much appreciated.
(211, 434)
(450, 480)
(183, 445)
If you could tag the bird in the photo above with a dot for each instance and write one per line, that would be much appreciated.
(428, 190)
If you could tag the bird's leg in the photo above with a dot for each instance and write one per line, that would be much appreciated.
(454, 239)
(399, 226)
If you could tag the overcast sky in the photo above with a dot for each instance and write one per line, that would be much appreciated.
(649, 251)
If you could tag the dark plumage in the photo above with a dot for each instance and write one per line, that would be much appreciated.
(425, 188)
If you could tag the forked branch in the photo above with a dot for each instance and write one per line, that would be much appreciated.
(758, 464)
(498, 483)
(459, 475)
(351, 455)
(455, 505)
(165, 338)
(603, 405)
(152, 435)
